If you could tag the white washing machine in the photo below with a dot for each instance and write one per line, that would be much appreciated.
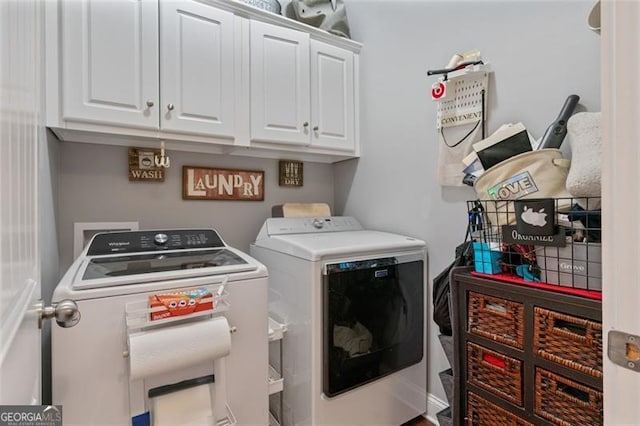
(353, 301)
(95, 377)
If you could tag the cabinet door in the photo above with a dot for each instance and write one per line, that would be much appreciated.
(110, 62)
(332, 97)
(196, 69)
(279, 84)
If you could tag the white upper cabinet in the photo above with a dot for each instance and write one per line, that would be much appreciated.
(302, 90)
(216, 76)
(280, 108)
(110, 62)
(332, 97)
(197, 75)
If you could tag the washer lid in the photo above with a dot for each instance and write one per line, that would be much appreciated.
(135, 257)
(315, 246)
(116, 270)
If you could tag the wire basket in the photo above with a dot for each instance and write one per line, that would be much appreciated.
(553, 240)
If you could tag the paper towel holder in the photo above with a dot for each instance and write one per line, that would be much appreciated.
(232, 329)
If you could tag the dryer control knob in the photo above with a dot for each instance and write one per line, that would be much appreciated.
(160, 239)
(318, 223)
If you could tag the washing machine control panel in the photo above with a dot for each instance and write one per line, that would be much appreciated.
(161, 239)
(141, 241)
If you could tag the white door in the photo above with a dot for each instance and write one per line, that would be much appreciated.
(197, 69)
(332, 97)
(279, 84)
(20, 133)
(620, 202)
(110, 62)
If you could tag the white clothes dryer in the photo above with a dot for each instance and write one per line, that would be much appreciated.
(112, 282)
(353, 301)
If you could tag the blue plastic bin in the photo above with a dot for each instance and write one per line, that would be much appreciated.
(486, 260)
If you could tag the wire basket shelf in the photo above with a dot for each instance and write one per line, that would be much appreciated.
(553, 241)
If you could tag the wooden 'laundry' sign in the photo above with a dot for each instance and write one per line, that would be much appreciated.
(203, 183)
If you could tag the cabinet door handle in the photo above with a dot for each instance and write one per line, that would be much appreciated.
(149, 104)
(170, 107)
(305, 124)
(315, 128)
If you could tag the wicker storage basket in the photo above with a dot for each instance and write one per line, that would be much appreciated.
(565, 402)
(481, 412)
(496, 319)
(495, 372)
(571, 341)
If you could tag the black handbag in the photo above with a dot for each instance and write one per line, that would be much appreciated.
(441, 286)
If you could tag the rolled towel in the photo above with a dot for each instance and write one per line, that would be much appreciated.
(584, 178)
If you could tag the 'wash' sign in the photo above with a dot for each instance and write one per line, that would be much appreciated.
(202, 183)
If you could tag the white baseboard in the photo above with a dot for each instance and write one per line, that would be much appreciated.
(434, 405)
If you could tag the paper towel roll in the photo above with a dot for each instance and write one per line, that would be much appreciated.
(159, 351)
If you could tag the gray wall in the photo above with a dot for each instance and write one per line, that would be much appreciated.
(94, 187)
(89, 183)
(541, 51)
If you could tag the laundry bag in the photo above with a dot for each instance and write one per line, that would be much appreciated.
(533, 174)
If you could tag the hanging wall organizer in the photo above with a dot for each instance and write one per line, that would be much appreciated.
(461, 96)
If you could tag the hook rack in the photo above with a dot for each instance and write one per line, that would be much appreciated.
(163, 160)
(457, 67)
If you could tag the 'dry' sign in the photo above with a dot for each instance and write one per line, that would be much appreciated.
(202, 183)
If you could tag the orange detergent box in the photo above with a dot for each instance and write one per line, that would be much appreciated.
(167, 305)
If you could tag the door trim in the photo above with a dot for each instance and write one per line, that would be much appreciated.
(12, 318)
(620, 197)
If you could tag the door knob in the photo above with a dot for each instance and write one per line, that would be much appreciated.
(315, 128)
(170, 107)
(65, 312)
(149, 104)
(305, 124)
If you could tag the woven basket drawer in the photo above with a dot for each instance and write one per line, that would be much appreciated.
(481, 412)
(571, 341)
(565, 402)
(496, 319)
(495, 372)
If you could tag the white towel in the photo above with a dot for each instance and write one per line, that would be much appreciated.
(584, 179)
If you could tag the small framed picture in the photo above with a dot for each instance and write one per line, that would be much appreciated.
(142, 167)
(291, 173)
